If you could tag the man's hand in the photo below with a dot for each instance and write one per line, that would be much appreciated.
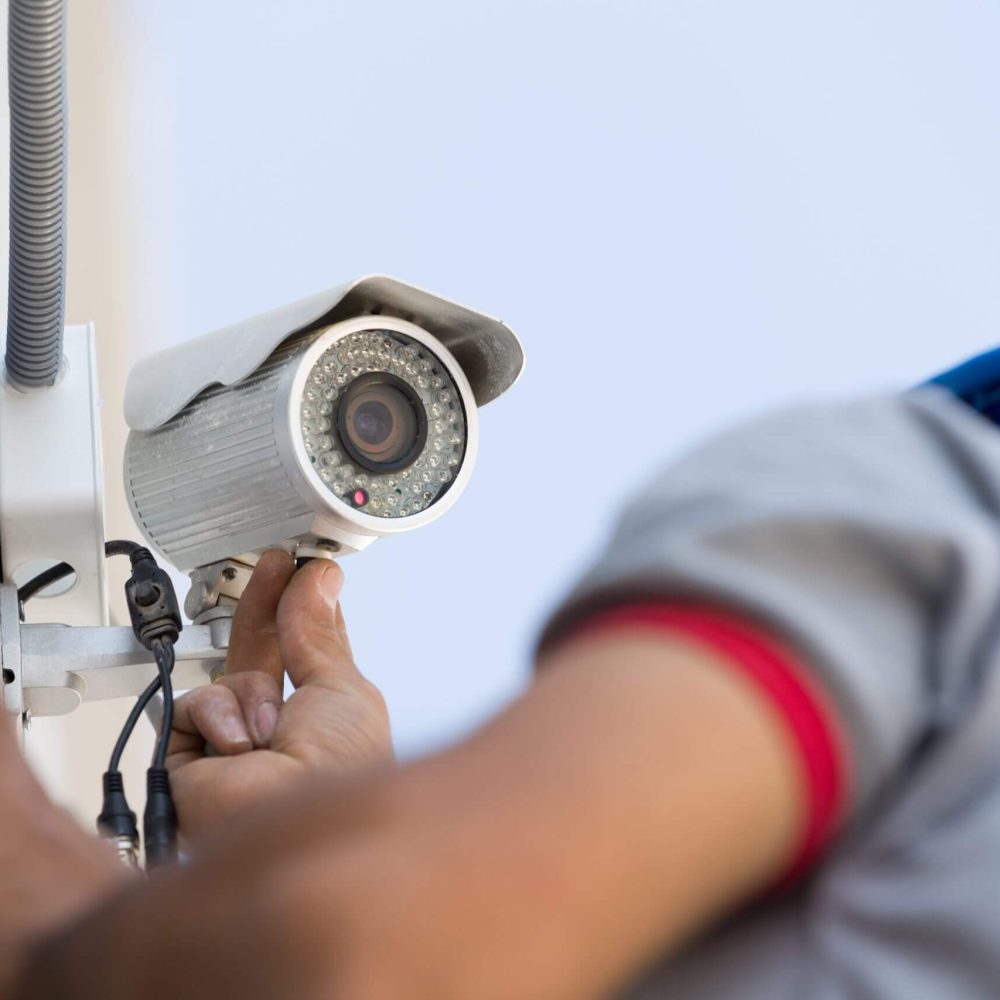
(238, 740)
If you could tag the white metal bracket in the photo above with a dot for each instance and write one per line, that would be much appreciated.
(52, 509)
(12, 692)
(54, 668)
(52, 501)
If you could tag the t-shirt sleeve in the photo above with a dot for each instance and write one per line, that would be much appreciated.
(864, 536)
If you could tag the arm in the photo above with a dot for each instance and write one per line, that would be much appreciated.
(641, 786)
(640, 789)
(50, 871)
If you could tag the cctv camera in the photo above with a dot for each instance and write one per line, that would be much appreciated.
(319, 426)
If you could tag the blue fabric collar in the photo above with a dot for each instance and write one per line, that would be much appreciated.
(977, 382)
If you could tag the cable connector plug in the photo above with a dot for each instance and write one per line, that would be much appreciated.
(152, 601)
(117, 822)
(159, 822)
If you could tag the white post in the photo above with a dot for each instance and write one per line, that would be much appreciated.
(70, 753)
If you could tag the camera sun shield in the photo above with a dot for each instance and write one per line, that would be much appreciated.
(161, 385)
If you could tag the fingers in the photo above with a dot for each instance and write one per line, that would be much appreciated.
(311, 632)
(233, 716)
(216, 788)
(209, 715)
(253, 645)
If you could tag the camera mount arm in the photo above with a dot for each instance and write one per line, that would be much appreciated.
(52, 669)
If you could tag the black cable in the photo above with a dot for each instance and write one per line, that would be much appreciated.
(160, 817)
(117, 822)
(130, 723)
(140, 706)
(163, 650)
(121, 547)
(116, 547)
(156, 621)
(45, 579)
(144, 699)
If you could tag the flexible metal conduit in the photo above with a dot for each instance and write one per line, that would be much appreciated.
(36, 42)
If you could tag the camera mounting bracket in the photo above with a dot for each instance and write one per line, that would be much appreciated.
(52, 669)
(51, 509)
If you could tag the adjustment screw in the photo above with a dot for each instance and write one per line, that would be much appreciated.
(146, 594)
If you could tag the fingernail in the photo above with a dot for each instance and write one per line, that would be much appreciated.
(234, 729)
(265, 720)
(275, 557)
(331, 583)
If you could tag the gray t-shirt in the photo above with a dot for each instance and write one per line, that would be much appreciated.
(866, 535)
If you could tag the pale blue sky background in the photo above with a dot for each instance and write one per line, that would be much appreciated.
(689, 211)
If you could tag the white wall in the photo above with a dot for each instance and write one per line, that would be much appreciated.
(689, 211)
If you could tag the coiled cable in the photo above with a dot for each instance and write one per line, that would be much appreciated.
(36, 42)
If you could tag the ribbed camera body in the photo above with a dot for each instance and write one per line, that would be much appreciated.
(344, 433)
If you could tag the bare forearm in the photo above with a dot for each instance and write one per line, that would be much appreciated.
(605, 817)
(50, 870)
(640, 790)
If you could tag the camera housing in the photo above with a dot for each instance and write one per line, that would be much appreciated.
(317, 427)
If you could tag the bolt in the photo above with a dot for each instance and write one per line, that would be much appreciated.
(327, 543)
(26, 718)
(8, 676)
(229, 573)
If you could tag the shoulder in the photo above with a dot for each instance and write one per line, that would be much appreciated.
(864, 533)
(857, 441)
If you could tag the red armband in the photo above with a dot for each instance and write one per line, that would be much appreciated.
(776, 673)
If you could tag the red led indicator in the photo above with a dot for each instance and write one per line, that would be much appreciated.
(359, 498)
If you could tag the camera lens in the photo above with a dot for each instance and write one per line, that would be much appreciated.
(381, 422)
(373, 422)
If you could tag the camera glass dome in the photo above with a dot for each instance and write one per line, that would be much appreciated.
(383, 423)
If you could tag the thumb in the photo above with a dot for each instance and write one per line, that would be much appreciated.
(311, 633)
